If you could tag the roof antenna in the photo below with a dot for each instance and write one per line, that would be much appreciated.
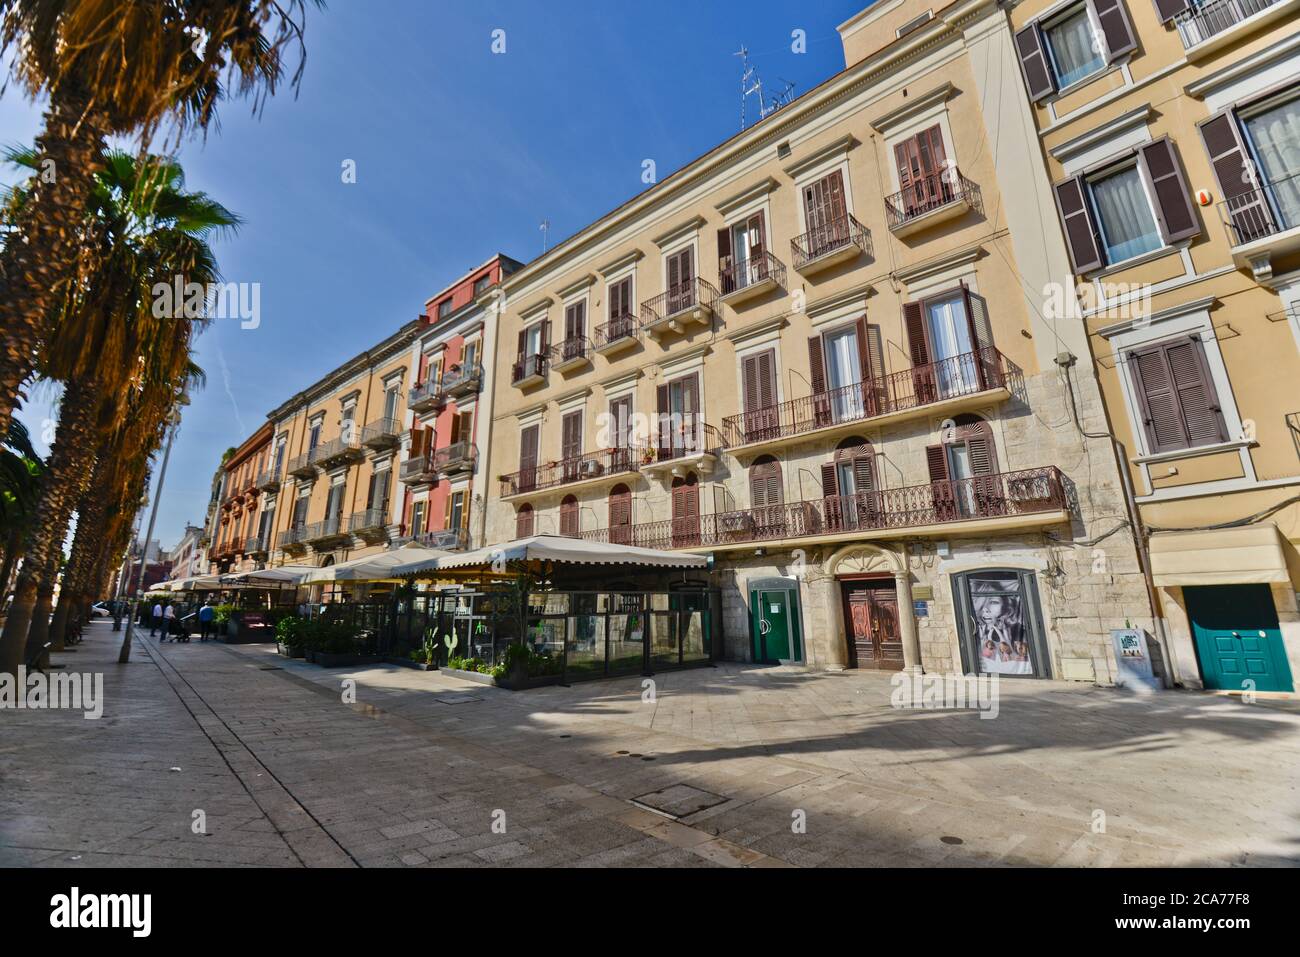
(545, 227)
(751, 85)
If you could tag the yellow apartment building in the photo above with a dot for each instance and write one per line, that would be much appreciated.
(1171, 133)
(818, 354)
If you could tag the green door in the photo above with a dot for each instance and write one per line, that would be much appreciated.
(773, 627)
(1237, 637)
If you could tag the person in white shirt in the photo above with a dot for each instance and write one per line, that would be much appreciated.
(156, 620)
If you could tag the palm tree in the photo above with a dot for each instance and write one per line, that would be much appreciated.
(185, 56)
(20, 474)
(144, 228)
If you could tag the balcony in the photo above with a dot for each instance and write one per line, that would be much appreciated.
(617, 335)
(940, 389)
(1263, 224)
(292, 540)
(750, 278)
(1011, 500)
(257, 547)
(224, 550)
(592, 468)
(938, 198)
(340, 451)
(836, 241)
(454, 459)
(424, 397)
(303, 466)
(461, 380)
(381, 434)
(528, 371)
(371, 525)
(418, 470)
(682, 305)
(572, 353)
(1208, 26)
(326, 535)
(689, 447)
(269, 480)
(448, 539)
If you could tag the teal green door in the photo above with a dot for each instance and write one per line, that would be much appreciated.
(776, 629)
(1237, 637)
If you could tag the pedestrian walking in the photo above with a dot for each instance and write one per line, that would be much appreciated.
(156, 620)
(169, 621)
(206, 615)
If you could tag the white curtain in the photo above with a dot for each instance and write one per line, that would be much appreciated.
(845, 371)
(1276, 138)
(1075, 50)
(950, 337)
(1127, 225)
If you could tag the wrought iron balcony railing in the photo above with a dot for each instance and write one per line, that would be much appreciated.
(256, 545)
(1272, 207)
(456, 457)
(620, 329)
(381, 434)
(681, 298)
(842, 233)
(269, 480)
(966, 374)
(570, 352)
(303, 465)
(1006, 495)
(929, 194)
(685, 439)
(367, 521)
(417, 469)
(450, 539)
(747, 273)
(424, 396)
(578, 468)
(326, 530)
(461, 379)
(342, 449)
(529, 368)
(290, 537)
(1200, 20)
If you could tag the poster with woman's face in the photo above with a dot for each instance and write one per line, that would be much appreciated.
(1001, 632)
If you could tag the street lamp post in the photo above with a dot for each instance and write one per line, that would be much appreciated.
(124, 656)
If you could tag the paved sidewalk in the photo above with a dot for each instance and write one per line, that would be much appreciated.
(412, 773)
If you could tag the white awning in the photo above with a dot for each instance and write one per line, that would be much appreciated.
(1249, 554)
(556, 548)
(281, 575)
(371, 568)
(196, 583)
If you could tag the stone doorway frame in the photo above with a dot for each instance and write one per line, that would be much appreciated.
(860, 560)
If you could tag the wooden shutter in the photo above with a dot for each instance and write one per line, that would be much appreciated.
(1247, 206)
(524, 521)
(725, 260)
(765, 483)
(620, 515)
(1166, 10)
(1076, 220)
(689, 439)
(1115, 26)
(757, 239)
(1033, 63)
(620, 298)
(620, 414)
(941, 492)
(571, 436)
(1176, 397)
(528, 457)
(918, 343)
(569, 517)
(664, 416)
(523, 344)
(1173, 206)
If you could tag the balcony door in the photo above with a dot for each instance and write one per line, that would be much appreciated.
(571, 445)
(681, 285)
(686, 511)
(528, 439)
(826, 215)
(620, 515)
(840, 364)
(949, 331)
(762, 417)
(620, 432)
(921, 163)
(1274, 135)
(741, 259)
(679, 407)
(964, 472)
(849, 486)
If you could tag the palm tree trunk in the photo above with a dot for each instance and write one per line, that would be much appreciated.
(41, 254)
(38, 633)
(13, 549)
(90, 521)
(64, 485)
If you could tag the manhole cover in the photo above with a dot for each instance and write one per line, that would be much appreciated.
(464, 700)
(680, 800)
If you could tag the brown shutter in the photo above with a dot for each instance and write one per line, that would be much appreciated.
(981, 335)
(758, 236)
(1115, 26)
(1033, 63)
(817, 364)
(918, 346)
(830, 480)
(1166, 10)
(725, 260)
(690, 410)
(571, 436)
(1076, 220)
(524, 521)
(1247, 207)
(665, 422)
(941, 492)
(749, 378)
(1164, 175)
(936, 460)
(569, 517)
(523, 343)
(1157, 400)
(1196, 394)
(528, 457)
(767, 379)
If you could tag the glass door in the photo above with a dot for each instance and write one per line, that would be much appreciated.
(844, 374)
(962, 472)
(1001, 624)
(1274, 138)
(950, 339)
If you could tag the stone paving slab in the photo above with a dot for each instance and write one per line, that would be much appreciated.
(812, 769)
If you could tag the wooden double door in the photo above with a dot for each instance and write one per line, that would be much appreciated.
(871, 624)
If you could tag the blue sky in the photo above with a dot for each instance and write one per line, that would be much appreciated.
(459, 152)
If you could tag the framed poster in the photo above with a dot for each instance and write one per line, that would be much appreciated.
(1000, 623)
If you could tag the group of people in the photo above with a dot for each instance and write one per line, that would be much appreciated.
(164, 616)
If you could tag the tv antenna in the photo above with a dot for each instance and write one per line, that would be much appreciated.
(545, 227)
(751, 86)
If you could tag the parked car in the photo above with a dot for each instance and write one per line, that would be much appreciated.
(100, 610)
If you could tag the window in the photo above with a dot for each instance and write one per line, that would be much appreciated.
(922, 162)
(569, 517)
(620, 515)
(686, 511)
(950, 340)
(849, 484)
(1177, 402)
(1072, 45)
(742, 258)
(762, 418)
(300, 507)
(390, 402)
(481, 283)
(457, 516)
(314, 438)
(620, 306)
(963, 470)
(1130, 206)
(1000, 624)
(571, 444)
(1255, 152)
(524, 521)
(469, 360)
(825, 215)
(914, 24)
(680, 276)
(679, 407)
(417, 519)
(444, 308)
(377, 495)
(620, 422)
(765, 482)
(839, 362)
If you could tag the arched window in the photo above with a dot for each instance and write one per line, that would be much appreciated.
(849, 485)
(524, 521)
(569, 516)
(963, 471)
(620, 515)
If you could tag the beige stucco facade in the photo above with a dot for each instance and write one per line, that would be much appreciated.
(1230, 286)
(1058, 516)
